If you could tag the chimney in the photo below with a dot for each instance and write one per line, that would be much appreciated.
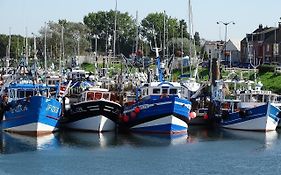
(260, 26)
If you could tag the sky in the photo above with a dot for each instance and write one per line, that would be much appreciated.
(247, 14)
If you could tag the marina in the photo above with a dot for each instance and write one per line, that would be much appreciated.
(108, 92)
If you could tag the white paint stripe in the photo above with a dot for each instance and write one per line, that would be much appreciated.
(33, 127)
(162, 121)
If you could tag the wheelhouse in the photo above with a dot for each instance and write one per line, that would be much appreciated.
(22, 91)
(160, 89)
(97, 94)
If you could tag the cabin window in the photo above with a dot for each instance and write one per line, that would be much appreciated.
(173, 91)
(146, 91)
(29, 93)
(20, 94)
(98, 95)
(90, 96)
(164, 91)
(106, 96)
(156, 91)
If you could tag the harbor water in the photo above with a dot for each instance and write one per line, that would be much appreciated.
(201, 151)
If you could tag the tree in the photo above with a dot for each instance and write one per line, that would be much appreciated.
(17, 44)
(102, 24)
(153, 24)
(74, 35)
(177, 42)
(197, 39)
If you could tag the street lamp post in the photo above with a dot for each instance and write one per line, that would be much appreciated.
(225, 38)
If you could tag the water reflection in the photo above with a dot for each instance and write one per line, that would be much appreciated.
(14, 143)
(140, 140)
(88, 139)
(267, 139)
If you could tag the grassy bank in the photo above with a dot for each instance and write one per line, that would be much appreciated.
(271, 81)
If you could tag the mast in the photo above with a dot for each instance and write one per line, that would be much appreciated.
(61, 51)
(164, 33)
(26, 47)
(181, 49)
(190, 35)
(9, 44)
(114, 33)
(8, 51)
(137, 32)
(45, 50)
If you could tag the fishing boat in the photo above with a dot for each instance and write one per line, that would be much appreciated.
(251, 109)
(27, 107)
(158, 107)
(95, 110)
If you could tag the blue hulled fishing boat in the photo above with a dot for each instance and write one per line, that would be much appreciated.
(27, 106)
(251, 109)
(28, 109)
(158, 107)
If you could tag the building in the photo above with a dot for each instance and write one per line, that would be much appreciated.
(262, 46)
(228, 54)
(213, 48)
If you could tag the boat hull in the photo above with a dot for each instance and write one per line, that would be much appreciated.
(96, 116)
(37, 116)
(98, 123)
(261, 118)
(166, 125)
(167, 116)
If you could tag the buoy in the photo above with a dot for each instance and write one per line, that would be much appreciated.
(137, 110)
(133, 115)
(125, 118)
(192, 115)
(206, 117)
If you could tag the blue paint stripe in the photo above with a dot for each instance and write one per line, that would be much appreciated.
(38, 110)
(154, 110)
(258, 112)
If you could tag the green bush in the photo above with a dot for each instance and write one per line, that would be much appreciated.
(266, 68)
